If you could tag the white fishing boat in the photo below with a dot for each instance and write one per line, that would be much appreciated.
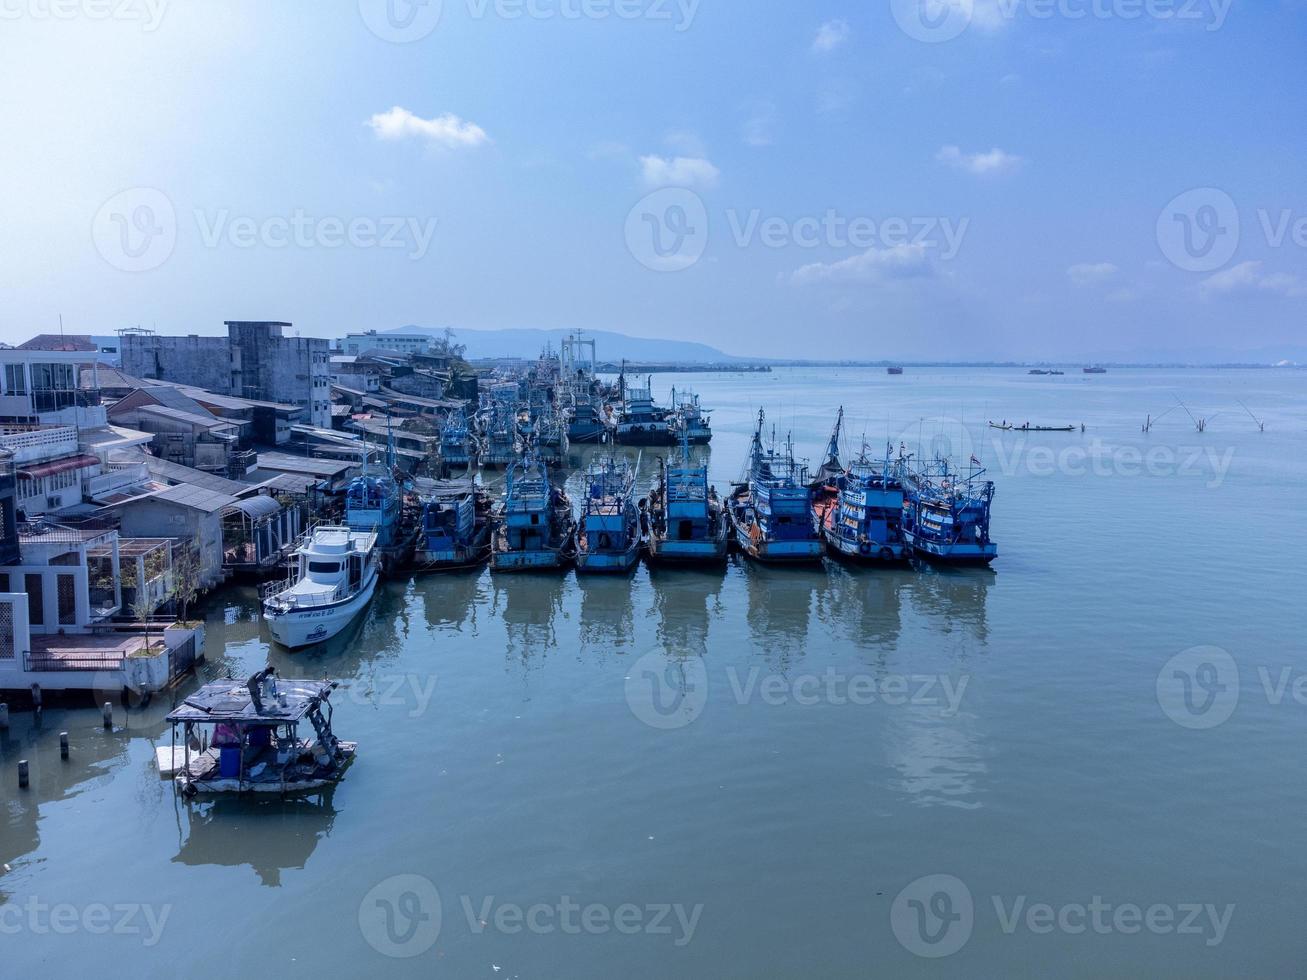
(334, 580)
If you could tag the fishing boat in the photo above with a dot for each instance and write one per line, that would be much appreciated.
(458, 446)
(894, 371)
(946, 513)
(335, 574)
(374, 502)
(691, 418)
(535, 530)
(772, 511)
(253, 737)
(1095, 370)
(687, 520)
(859, 509)
(455, 525)
(1009, 427)
(608, 536)
(640, 423)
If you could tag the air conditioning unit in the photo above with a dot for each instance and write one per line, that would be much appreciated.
(54, 502)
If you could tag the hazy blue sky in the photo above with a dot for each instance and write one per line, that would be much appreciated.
(827, 179)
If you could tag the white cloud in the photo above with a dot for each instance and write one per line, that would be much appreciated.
(448, 130)
(758, 128)
(871, 267)
(692, 172)
(831, 35)
(989, 164)
(1247, 277)
(1091, 273)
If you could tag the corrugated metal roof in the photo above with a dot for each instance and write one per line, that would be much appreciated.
(303, 464)
(177, 473)
(255, 508)
(198, 498)
(193, 418)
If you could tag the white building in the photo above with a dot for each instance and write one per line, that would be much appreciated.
(403, 343)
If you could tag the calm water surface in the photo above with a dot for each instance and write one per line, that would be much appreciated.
(750, 772)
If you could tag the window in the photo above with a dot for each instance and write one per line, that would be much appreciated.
(35, 600)
(67, 600)
(15, 380)
(6, 631)
(324, 567)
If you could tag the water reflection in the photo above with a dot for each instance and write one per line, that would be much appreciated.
(864, 606)
(686, 601)
(780, 602)
(269, 837)
(527, 605)
(953, 601)
(450, 600)
(607, 611)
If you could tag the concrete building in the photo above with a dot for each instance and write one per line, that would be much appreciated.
(405, 343)
(254, 361)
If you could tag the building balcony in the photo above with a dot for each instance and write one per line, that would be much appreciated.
(39, 443)
(119, 477)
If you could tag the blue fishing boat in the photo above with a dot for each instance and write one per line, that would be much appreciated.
(690, 418)
(946, 512)
(458, 447)
(687, 520)
(455, 526)
(535, 530)
(772, 511)
(859, 508)
(374, 502)
(608, 537)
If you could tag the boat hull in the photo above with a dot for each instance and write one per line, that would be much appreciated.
(865, 553)
(608, 562)
(300, 628)
(951, 554)
(217, 786)
(806, 551)
(666, 552)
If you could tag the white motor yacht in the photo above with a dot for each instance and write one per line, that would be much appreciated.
(334, 581)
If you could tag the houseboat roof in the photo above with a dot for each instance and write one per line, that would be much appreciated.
(231, 701)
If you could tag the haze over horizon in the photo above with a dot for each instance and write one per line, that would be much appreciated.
(852, 181)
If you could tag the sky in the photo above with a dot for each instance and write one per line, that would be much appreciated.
(941, 179)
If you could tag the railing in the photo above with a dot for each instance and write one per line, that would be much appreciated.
(118, 477)
(80, 663)
(274, 593)
(181, 658)
(34, 444)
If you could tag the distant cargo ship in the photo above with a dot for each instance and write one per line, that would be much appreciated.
(1095, 370)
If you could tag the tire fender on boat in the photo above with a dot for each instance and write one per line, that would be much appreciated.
(864, 549)
(886, 554)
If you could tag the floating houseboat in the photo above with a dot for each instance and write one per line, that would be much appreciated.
(455, 526)
(946, 513)
(859, 509)
(772, 511)
(687, 520)
(608, 535)
(254, 737)
(335, 574)
(535, 530)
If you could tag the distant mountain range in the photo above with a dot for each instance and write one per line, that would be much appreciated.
(613, 347)
(609, 346)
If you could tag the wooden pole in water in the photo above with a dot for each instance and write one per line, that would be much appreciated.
(4, 717)
(22, 774)
(36, 696)
(63, 746)
(108, 715)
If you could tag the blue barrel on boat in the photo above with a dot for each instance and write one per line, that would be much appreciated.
(229, 762)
